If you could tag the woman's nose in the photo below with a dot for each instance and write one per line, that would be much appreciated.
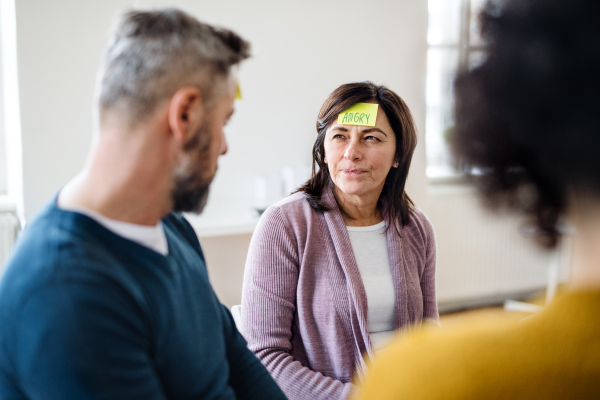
(353, 152)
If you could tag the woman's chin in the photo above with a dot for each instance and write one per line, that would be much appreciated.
(352, 190)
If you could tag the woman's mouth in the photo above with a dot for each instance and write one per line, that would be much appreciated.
(353, 172)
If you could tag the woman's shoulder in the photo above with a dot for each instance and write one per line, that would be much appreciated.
(292, 222)
(290, 205)
(420, 223)
(292, 201)
(293, 210)
(418, 216)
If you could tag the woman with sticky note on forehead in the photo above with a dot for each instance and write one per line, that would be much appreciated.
(336, 268)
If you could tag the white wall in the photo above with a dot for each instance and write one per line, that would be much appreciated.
(58, 45)
(484, 257)
(302, 51)
(225, 260)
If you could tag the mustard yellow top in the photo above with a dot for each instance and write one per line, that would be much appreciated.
(551, 355)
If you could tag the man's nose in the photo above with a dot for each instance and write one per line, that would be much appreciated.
(223, 145)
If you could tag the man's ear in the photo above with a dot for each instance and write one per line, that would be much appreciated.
(185, 113)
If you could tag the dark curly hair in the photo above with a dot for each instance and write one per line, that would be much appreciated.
(528, 118)
(399, 205)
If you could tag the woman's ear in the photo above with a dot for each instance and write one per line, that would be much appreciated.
(395, 164)
(185, 113)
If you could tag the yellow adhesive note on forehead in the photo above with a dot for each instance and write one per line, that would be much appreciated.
(364, 114)
(238, 91)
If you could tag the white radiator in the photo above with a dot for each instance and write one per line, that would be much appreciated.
(482, 257)
(9, 228)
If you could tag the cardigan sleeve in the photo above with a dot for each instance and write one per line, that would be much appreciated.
(268, 307)
(430, 311)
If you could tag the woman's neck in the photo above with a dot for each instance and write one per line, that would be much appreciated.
(358, 210)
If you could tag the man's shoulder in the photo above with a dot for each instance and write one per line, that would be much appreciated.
(56, 234)
(45, 240)
(59, 248)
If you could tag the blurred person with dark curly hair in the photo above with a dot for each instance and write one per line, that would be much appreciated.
(528, 119)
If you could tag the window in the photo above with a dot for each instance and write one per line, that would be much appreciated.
(454, 45)
(11, 175)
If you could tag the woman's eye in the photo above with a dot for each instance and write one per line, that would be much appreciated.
(371, 138)
(338, 136)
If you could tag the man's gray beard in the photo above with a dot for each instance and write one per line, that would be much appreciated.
(187, 196)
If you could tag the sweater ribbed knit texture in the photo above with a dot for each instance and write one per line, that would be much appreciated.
(304, 307)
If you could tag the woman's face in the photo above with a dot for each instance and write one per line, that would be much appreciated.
(360, 157)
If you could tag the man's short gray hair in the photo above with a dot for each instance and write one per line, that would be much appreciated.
(154, 53)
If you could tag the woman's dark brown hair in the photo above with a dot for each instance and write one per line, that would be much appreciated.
(398, 204)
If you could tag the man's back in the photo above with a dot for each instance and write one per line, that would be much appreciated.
(553, 355)
(89, 314)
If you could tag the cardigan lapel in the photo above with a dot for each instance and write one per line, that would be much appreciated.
(397, 264)
(404, 308)
(356, 290)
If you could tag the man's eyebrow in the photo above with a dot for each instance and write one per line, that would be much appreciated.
(369, 130)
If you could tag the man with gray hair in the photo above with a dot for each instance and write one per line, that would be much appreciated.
(107, 295)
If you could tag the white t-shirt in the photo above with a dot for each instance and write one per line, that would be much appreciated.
(369, 244)
(153, 237)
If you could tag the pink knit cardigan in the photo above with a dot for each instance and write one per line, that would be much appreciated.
(304, 307)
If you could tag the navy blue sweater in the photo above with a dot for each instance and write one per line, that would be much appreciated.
(87, 314)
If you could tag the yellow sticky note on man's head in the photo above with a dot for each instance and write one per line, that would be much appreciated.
(359, 114)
